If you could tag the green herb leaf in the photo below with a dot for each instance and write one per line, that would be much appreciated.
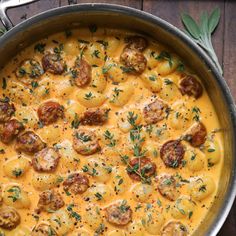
(214, 19)
(191, 25)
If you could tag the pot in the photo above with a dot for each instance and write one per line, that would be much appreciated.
(108, 15)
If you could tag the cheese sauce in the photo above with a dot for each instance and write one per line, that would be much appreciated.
(134, 95)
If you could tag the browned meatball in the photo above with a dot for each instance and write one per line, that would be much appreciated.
(49, 201)
(172, 153)
(46, 160)
(29, 71)
(43, 230)
(166, 185)
(197, 134)
(136, 42)
(82, 73)
(94, 116)
(76, 183)
(154, 111)
(7, 109)
(50, 112)
(29, 142)
(9, 218)
(85, 142)
(53, 63)
(9, 130)
(190, 86)
(134, 60)
(118, 214)
(174, 228)
(141, 167)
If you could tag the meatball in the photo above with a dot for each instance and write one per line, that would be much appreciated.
(118, 214)
(9, 130)
(166, 185)
(154, 111)
(43, 230)
(49, 201)
(174, 228)
(46, 160)
(136, 42)
(85, 142)
(50, 112)
(29, 71)
(190, 86)
(53, 63)
(29, 142)
(197, 134)
(172, 153)
(134, 60)
(9, 218)
(76, 183)
(141, 167)
(7, 109)
(94, 116)
(82, 73)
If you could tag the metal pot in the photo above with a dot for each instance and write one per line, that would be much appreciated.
(108, 15)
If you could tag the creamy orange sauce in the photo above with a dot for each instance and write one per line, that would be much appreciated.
(112, 182)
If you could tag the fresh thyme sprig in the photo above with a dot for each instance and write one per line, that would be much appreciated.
(201, 33)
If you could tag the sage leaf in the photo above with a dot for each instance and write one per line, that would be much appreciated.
(214, 19)
(191, 25)
(204, 23)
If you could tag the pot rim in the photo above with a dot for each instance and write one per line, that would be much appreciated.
(125, 10)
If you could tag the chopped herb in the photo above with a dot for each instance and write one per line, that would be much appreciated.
(180, 67)
(196, 112)
(34, 84)
(202, 188)
(210, 149)
(88, 96)
(4, 83)
(68, 33)
(58, 50)
(190, 214)
(83, 41)
(116, 94)
(75, 123)
(40, 47)
(126, 69)
(106, 69)
(159, 203)
(17, 172)
(73, 213)
(104, 43)
(109, 136)
(209, 163)
(96, 53)
(83, 137)
(152, 78)
(165, 56)
(168, 82)
(93, 28)
(98, 196)
(16, 191)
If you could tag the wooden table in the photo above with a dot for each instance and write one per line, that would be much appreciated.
(224, 38)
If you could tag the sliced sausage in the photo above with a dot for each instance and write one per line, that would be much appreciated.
(85, 142)
(49, 201)
(134, 60)
(94, 116)
(166, 185)
(53, 63)
(136, 42)
(118, 214)
(7, 109)
(76, 183)
(191, 86)
(141, 167)
(9, 130)
(172, 153)
(197, 134)
(49, 112)
(82, 73)
(9, 218)
(29, 142)
(154, 111)
(46, 160)
(43, 230)
(29, 71)
(174, 228)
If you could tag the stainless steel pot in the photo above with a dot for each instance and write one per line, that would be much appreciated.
(108, 15)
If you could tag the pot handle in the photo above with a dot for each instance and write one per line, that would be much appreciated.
(4, 5)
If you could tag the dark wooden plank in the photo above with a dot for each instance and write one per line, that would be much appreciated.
(18, 14)
(131, 3)
(170, 10)
(230, 48)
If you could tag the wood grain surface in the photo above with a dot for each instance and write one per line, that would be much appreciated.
(224, 38)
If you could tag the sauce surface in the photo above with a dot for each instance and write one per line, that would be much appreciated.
(105, 132)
